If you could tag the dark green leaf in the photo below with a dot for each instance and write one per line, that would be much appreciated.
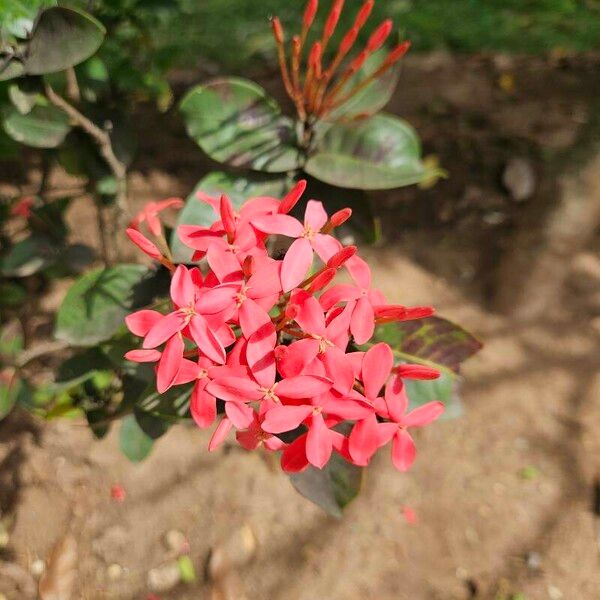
(17, 16)
(239, 189)
(78, 256)
(62, 38)
(12, 294)
(134, 443)
(171, 406)
(29, 256)
(235, 122)
(81, 367)
(97, 420)
(434, 340)
(332, 487)
(381, 152)
(151, 425)
(444, 389)
(97, 303)
(11, 340)
(42, 127)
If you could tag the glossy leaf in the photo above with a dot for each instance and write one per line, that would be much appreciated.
(29, 256)
(152, 426)
(235, 122)
(332, 487)
(81, 367)
(134, 443)
(42, 127)
(239, 189)
(434, 340)
(96, 304)
(370, 99)
(62, 38)
(444, 389)
(381, 152)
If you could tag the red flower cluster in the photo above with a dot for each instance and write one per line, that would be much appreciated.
(316, 93)
(273, 339)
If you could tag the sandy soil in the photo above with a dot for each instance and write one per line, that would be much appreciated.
(504, 496)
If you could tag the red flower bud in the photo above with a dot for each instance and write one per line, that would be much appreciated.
(397, 53)
(277, 30)
(143, 243)
(403, 313)
(321, 280)
(333, 18)
(339, 258)
(417, 372)
(363, 13)
(348, 41)
(314, 58)
(340, 217)
(357, 63)
(292, 197)
(379, 36)
(227, 216)
(309, 13)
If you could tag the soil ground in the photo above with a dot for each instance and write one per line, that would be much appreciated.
(506, 497)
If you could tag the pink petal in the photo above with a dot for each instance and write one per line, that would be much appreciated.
(206, 340)
(403, 450)
(240, 414)
(143, 243)
(252, 317)
(339, 369)
(199, 238)
(377, 365)
(224, 264)
(293, 458)
(285, 418)
(163, 329)
(260, 355)
(143, 356)
(153, 223)
(183, 290)
(188, 371)
(218, 437)
(247, 439)
(339, 293)
(279, 224)
(423, 415)
(348, 409)
(396, 399)
(273, 443)
(265, 281)
(303, 386)
(310, 316)
(203, 406)
(315, 216)
(296, 263)
(215, 299)
(364, 440)
(234, 389)
(362, 324)
(325, 246)
(360, 272)
(169, 364)
(140, 322)
(293, 359)
(260, 205)
(318, 443)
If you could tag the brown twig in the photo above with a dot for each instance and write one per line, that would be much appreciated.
(102, 138)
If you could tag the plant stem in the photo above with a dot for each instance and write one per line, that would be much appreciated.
(118, 168)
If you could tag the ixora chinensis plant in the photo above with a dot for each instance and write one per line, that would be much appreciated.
(339, 135)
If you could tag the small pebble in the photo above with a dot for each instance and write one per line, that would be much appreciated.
(38, 566)
(519, 179)
(534, 561)
(114, 571)
(177, 542)
(554, 593)
(164, 578)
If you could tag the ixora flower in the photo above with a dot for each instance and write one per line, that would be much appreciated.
(269, 346)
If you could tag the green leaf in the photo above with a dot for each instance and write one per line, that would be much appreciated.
(235, 122)
(154, 427)
(98, 302)
(370, 99)
(10, 69)
(18, 16)
(434, 341)
(23, 96)
(381, 152)
(444, 389)
(134, 443)
(172, 406)
(29, 256)
(10, 387)
(42, 127)
(11, 294)
(62, 38)
(239, 189)
(81, 367)
(332, 487)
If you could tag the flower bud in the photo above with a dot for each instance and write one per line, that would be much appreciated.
(397, 53)
(321, 281)
(339, 258)
(396, 312)
(277, 30)
(357, 63)
(227, 216)
(407, 371)
(340, 217)
(363, 13)
(348, 41)
(314, 58)
(143, 243)
(309, 13)
(292, 197)
(333, 18)
(379, 36)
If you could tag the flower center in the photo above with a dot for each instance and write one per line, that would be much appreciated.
(308, 233)
(269, 394)
(188, 312)
(323, 343)
(202, 374)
